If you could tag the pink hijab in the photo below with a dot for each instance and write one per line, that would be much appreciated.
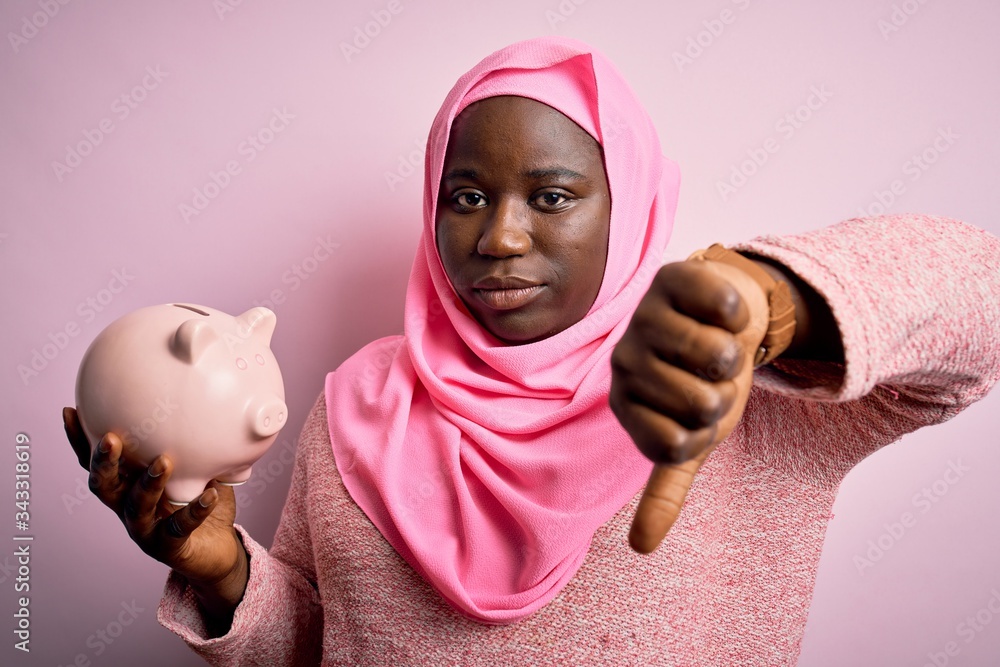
(488, 467)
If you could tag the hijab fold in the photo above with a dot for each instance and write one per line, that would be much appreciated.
(487, 466)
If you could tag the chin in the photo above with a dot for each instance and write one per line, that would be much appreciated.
(513, 335)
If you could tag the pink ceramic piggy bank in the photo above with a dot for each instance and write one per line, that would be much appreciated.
(188, 381)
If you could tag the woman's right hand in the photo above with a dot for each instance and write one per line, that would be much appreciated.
(197, 540)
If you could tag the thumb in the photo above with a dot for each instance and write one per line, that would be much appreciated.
(661, 502)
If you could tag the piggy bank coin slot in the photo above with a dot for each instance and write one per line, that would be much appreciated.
(191, 308)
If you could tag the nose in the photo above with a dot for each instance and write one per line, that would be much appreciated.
(267, 415)
(506, 231)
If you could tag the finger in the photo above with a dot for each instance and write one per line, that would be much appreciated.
(77, 438)
(676, 393)
(660, 438)
(696, 289)
(106, 481)
(708, 351)
(180, 524)
(139, 511)
(661, 504)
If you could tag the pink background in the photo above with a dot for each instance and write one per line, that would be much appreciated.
(324, 176)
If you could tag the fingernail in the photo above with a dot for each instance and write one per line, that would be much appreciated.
(205, 501)
(155, 468)
(104, 446)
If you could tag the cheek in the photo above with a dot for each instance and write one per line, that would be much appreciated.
(590, 241)
(450, 244)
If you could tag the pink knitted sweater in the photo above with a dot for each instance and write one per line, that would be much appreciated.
(917, 300)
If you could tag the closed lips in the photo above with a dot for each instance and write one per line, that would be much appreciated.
(507, 292)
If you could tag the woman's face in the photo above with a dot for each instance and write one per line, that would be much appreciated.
(522, 217)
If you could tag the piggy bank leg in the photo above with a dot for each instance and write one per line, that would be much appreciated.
(235, 477)
(183, 491)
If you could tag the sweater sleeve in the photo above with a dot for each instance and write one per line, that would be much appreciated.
(280, 619)
(917, 301)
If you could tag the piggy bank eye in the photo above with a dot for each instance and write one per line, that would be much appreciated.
(260, 359)
(241, 364)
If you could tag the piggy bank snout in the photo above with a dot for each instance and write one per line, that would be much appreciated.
(267, 416)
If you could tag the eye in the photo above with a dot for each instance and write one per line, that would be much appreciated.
(551, 201)
(465, 201)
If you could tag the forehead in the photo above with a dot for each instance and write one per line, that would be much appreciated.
(508, 128)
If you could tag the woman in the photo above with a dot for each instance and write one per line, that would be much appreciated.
(461, 493)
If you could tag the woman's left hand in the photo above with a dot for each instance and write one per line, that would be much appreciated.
(681, 377)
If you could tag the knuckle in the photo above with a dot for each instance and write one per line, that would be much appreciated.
(708, 408)
(665, 275)
(173, 526)
(130, 509)
(672, 447)
(620, 359)
(726, 356)
(729, 301)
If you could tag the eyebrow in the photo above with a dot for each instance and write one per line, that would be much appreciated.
(555, 172)
(551, 172)
(461, 173)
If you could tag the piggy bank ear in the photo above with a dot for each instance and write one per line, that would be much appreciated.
(259, 324)
(191, 340)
